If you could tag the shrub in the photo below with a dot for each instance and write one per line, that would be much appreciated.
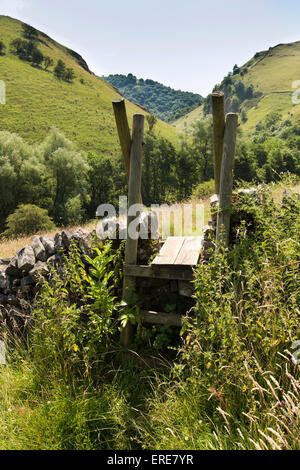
(69, 75)
(204, 190)
(74, 210)
(37, 57)
(26, 220)
(60, 70)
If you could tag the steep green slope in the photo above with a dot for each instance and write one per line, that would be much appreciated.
(272, 74)
(162, 101)
(36, 100)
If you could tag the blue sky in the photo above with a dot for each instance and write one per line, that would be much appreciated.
(186, 44)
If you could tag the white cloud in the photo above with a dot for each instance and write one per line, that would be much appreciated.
(13, 7)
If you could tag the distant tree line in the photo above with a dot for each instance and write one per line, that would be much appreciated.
(162, 101)
(26, 48)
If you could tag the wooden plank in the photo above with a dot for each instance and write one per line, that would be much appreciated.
(190, 252)
(218, 112)
(169, 251)
(134, 191)
(161, 318)
(174, 273)
(225, 201)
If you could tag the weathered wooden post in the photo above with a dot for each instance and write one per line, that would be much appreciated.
(218, 111)
(123, 132)
(124, 135)
(134, 191)
(226, 180)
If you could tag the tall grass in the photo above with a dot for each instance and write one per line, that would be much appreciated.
(233, 384)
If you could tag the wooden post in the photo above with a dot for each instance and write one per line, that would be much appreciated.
(123, 132)
(225, 201)
(218, 110)
(134, 191)
(124, 136)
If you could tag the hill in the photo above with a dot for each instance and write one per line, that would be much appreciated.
(162, 101)
(263, 85)
(36, 100)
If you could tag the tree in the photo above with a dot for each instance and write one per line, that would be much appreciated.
(26, 50)
(29, 32)
(60, 70)
(236, 70)
(74, 211)
(67, 171)
(48, 62)
(69, 75)
(2, 48)
(37, 57)
(151, 120)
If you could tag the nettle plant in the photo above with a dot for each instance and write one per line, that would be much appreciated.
(76, 314)
(246, 317)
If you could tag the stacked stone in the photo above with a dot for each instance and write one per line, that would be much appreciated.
(20, 274)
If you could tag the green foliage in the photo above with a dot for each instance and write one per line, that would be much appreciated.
(27, 50)
(29, 32)
(63, 73)
(60, 70)
(204, 190)
(69, 75)
(163, 102)
(26, 220)
(151, 120)
(48, 62)
(235, 385)
(48, 175)
(236, 94)
(76, 316)
(74, 211)
(2, 48)
(274, 149)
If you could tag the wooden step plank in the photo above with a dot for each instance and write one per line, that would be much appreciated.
(170, 251)
(161, 318)
(190, 252)
(173, 273)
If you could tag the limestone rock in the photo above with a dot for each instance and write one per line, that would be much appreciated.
(84, 241)
(40, 269)
(39, 249)
(26, 259)
(49, 245)
(12, 269)
(66, 237)
(4, 282)
(58, 242)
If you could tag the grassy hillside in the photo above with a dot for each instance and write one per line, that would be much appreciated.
(162, 101)
(36, 100)
(272, 74)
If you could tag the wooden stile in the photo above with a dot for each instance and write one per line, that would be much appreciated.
(218, 111)
(226, 182)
